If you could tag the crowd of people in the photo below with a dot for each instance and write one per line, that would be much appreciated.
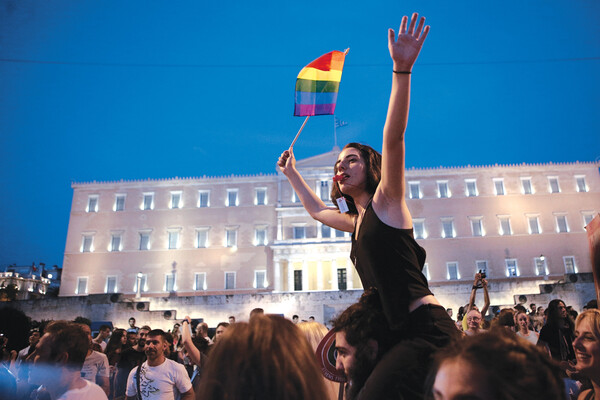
(396, 342)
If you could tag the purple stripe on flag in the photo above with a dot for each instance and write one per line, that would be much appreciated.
(316, 98)
(303, 110)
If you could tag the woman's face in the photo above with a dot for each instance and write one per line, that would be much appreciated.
(523, 321)
(587, 350)
(351, 166)
(123, 339)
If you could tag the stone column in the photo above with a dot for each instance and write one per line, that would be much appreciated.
(334, 280)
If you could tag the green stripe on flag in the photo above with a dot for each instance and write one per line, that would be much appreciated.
(307, 85)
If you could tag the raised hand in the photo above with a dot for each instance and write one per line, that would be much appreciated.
(405, 49)
(287, 161)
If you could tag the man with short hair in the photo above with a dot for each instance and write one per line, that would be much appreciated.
(103, 334)
(202, 332)
(95, 368)
(57, 363)
(132, 327)
(231, 319)
(221, 328)
(533, 310)
(295, 319)
(158, 377)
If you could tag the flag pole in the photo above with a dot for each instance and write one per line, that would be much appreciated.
(298, 134)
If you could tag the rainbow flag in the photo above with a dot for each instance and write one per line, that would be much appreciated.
(318, 84)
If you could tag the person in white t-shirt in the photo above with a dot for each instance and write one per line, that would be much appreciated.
(57, 362)
(158, 377)
(523, 328)
(95, 368)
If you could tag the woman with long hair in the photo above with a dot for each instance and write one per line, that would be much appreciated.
(265, 358)
(373, 188)
(587, 352)
(557, 334)
(113, 350)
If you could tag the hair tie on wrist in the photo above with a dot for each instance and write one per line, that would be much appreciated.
(401, 72)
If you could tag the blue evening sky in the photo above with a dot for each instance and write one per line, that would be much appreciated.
(109, 90)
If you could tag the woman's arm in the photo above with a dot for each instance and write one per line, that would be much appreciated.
(389, 200)
(186, 340)
(312, 203)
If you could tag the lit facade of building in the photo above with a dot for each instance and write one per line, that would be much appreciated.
(522, 224)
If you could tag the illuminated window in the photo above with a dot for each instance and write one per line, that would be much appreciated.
(119, 202)
(299, 232)
(229, 280)
(533, 222)
(553, 186)
(452, 272)
(231, 237)
(203, 198)
(115, 242)
(419, 228)
(92, 205)
(202, 238)
(176, 200)
(570, 266)
(143, 281)
(82, 285)
(541, 267)
(324, 191)
(170, 282)
(260, 279)
(200, 281)
(481, 266)
(414, 190)
(144, 240)
(512, 269)
(581, 185)
(471, 188)
(499, 186)
(232, 198)
(448, 228)
(87, 244)
(173, 239)
(443, 190)
(526, 187)
(476, 226)
(111, 284)
(260, 236)
(505, 228)
(148, 202)
(260, 196)
(561, 223)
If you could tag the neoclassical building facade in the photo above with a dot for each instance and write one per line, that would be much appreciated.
(521, 224)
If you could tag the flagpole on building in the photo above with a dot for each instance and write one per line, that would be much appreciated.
(334, 133)
(298, 134)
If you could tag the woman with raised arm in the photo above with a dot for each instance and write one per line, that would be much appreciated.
(384, 251)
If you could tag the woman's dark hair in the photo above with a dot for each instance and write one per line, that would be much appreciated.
(267, 357)
(512, 368)
(372, 160)
(554, 318)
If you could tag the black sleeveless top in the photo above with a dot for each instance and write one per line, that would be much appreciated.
(390, 260)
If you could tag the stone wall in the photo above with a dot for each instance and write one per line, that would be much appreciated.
(161, 312)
